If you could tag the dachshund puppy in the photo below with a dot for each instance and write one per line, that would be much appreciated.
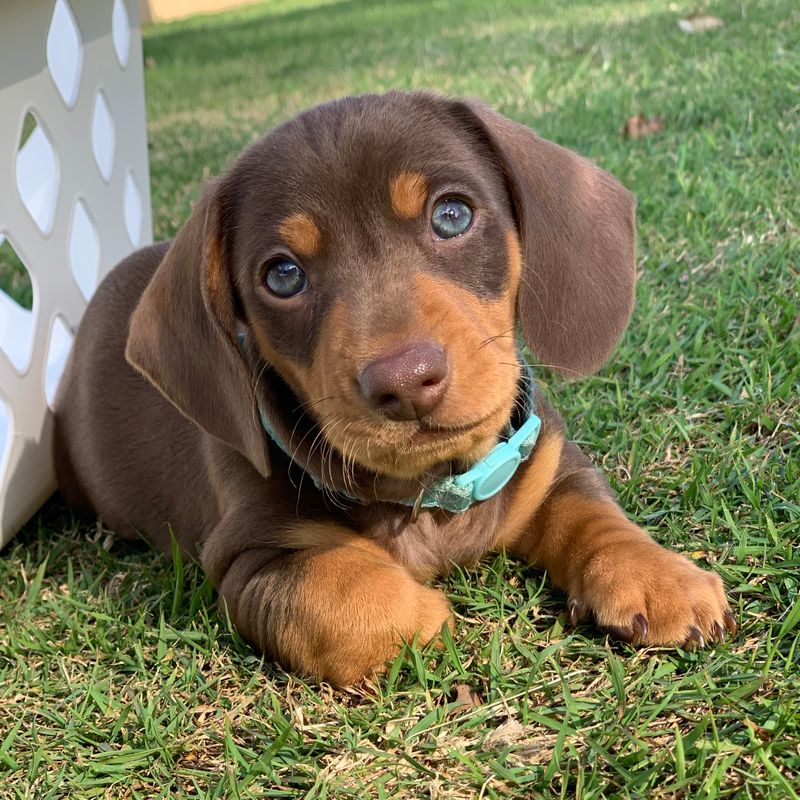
(316, 385)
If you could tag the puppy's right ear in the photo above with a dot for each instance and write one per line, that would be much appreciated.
(182, 336)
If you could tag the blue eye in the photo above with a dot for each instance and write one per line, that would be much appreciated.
(285, 279)
(451, 218)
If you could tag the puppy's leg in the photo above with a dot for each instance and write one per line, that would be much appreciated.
(334, 610)
(611, 569)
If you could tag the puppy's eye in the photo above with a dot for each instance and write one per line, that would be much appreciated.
(451, 218)
(285, 279)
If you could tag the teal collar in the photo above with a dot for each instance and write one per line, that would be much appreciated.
(484, 479)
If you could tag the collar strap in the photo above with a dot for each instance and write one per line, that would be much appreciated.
(484, 479)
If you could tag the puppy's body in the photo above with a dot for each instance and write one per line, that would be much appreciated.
(169, 469)
(381, 357)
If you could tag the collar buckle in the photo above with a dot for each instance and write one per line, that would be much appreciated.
(494, 471)
(486, 478)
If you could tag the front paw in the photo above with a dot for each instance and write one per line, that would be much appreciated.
(644, 594)
(352, 613)
(360, 643)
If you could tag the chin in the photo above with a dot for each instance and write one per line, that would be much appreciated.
(422, 453)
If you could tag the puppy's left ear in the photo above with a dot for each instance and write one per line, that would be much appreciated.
(577, 229)
(182, 335)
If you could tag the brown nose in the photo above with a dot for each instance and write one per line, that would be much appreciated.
(406, 384)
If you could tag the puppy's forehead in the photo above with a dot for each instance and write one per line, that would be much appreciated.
(360, 157)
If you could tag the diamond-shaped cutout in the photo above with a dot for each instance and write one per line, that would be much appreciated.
(121, 32)
(37, 173)
(84, 250)
(17, 321)
(103, 136)
(15, 280)
(6, 435)
(61, 338)
(64, 52)
(133, 209)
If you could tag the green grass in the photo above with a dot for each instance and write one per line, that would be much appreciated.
(118, 677)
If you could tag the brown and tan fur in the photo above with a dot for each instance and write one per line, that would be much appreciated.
(158, 427)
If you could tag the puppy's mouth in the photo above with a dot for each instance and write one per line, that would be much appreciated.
(432, 431)
(364, 457)
(415, 449)
(453, 438)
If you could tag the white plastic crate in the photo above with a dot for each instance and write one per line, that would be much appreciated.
(74, 200)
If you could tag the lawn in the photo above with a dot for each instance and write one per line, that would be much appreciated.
(118, 676)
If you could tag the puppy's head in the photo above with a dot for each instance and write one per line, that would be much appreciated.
(379, 252)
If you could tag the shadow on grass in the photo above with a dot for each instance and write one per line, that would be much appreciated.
(359, 45)
(216, 39)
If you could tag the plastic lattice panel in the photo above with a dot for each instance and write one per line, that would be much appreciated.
(73, 159)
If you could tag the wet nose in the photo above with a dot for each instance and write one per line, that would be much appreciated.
(406, 384)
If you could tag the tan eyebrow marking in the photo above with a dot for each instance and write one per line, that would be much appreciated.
(408, 192)
(301, 234)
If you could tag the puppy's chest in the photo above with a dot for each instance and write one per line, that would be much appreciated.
(436, 539)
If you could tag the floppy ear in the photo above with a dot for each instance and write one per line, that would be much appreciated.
(577, 230)
(182, 336)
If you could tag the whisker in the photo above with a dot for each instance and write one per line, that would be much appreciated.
(256, 381)
(559, 367)
(533, 291)
(349, 464)
(311, 403)
(326, 445)
(300, 444)
(491, 339)
(310, 454)
(327, 492)
(443, 317)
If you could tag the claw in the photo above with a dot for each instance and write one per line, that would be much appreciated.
(640, 629)
(618, 633)
(574, 612)
(730, 622)
(695, 640)
(719, 633)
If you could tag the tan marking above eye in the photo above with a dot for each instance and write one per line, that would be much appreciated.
(301, 233)
(408, 192)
